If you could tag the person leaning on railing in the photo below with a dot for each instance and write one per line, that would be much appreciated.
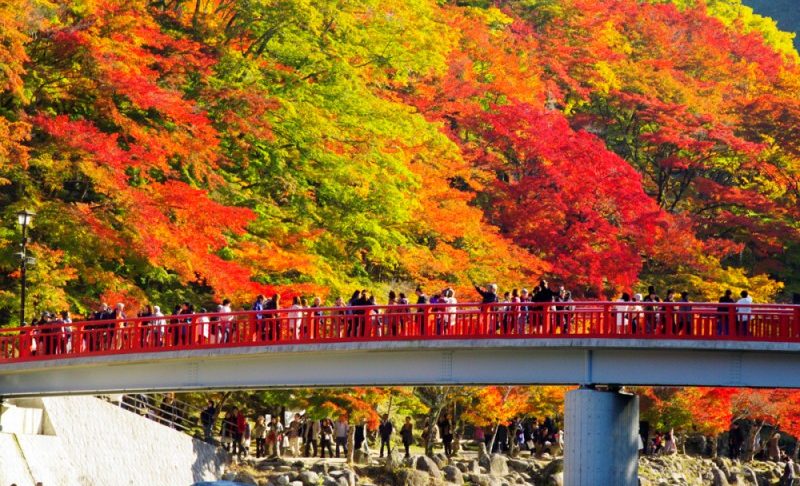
(744, 311)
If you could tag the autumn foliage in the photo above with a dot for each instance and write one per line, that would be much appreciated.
(201, 149)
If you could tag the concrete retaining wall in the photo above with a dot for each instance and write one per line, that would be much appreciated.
(95, 443)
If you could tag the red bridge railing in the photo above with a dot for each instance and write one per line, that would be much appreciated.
(610, 320)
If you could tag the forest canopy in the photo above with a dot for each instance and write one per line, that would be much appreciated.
(209, 149)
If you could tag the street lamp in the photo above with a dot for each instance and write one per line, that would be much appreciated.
(24, 218)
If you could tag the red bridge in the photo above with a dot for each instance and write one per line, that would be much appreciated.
(598, 320)
(585, 343)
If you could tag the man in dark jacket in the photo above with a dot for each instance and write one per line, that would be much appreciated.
(385, 430)
(207, 418)
(489, 294)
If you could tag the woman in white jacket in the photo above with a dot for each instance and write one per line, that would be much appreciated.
(449, 310)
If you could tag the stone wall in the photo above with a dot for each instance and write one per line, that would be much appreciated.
(90, 442)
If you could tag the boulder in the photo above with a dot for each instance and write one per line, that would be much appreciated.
(283, 480)
(309, 478)
(440, 460)
(482, 452)
(462, 467)
(750, 476)
(485, 480)
(412, 477)
(517, 465)
(453, 475)
(296, 483)
(553, 472)
(474, 467)
(394, 460)
(719, 478)
(263, 482)
(245, 478)
(350, 476)
(361, 457)
(426, 464)
(329, 481)
(498, 465)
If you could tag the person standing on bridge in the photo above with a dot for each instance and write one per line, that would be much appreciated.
(260, 326)
(385, 430)
(488, 294)
(544, 296)
(489, 297)
(422, 299)
(449, 311)
(295, 316)
(724, 313)
(743, 311)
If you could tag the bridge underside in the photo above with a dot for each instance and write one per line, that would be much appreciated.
(457, 362)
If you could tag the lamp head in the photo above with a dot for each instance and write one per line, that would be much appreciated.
(24, 217)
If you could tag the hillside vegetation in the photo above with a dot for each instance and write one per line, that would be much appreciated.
(205, 149)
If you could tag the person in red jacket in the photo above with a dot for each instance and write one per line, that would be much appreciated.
(241, 425)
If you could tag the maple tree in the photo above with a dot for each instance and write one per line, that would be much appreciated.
(201, 150)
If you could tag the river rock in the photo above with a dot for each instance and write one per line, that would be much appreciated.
(474, 467)
(245, 478)
(485, 480)
(350, 476)
(309, 478)
(462, 467)
(393, 460)
(498, 465)
(719, 477)
(440, 460)
(517, 465)
(425, 463)
(282, 480)
(296, 483)
(553, 472)
(329, 481)
(750, 476)
(412, 477)
(361, 457)
(453, 475)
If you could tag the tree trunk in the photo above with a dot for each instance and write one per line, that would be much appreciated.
(714, 446)
(751, 449)
(351, 442)
(494, 437)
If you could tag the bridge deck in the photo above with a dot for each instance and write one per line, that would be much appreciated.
(591, 342)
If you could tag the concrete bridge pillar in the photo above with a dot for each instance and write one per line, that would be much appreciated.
(601, 438)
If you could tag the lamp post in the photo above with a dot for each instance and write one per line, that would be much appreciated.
(24, 218)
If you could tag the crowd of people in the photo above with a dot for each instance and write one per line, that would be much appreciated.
(518, 311)
(269, 436)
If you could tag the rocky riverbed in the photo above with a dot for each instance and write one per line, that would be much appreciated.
(494, 470)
